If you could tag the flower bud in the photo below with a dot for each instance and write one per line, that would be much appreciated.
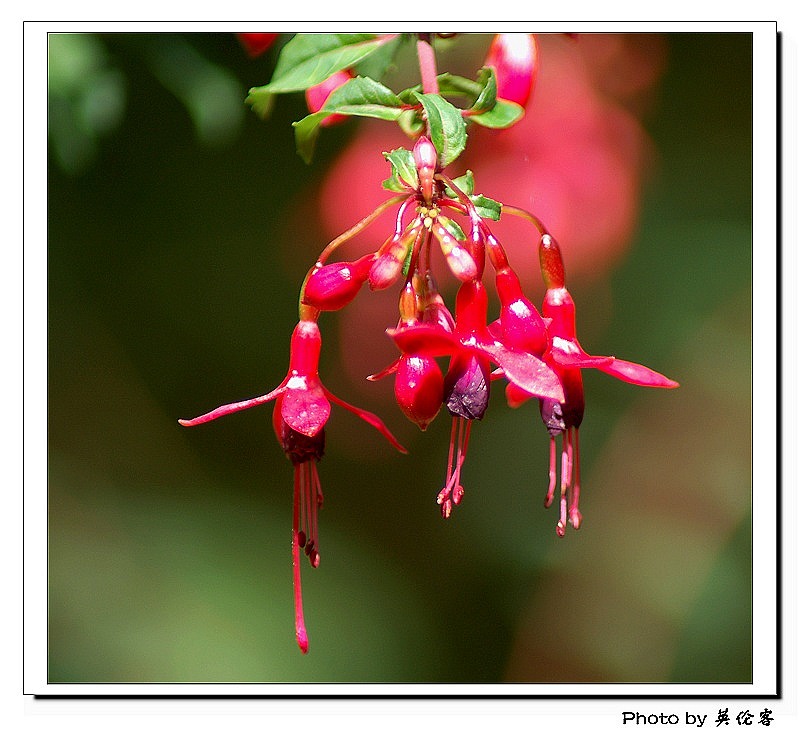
(551, 263)
(256, 44)
(388, 265)
(318, 95)
(333, 286)
(427, 159)
(515, 59)
(522, 326)
(419, 388)
(458, 258)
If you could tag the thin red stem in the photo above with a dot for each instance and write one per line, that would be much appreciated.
(427, 67)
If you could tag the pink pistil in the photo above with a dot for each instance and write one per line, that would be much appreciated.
(453, 492)
(299, 621)
(570, 481)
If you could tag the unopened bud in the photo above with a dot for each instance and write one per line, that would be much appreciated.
(333, 286)
(388, 265)
(551, 263)
(458, 258)
(515, 59)
(427, 160)
(419, 388)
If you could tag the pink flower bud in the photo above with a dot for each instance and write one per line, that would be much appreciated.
(256, 44)
(388, 265)
(427, 160)
(333, 286)
(458, 258)
(515, 58)
(419, 388)
(318, 95)
(551, 262)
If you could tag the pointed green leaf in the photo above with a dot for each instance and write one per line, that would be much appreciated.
(403, 166)
(310, 58)
(411, 123)
(486, 207)
(306, 132)
(465, 183)
(359, 97)
(447, 127)
(487, 98)
(504, 114)
(453, 228)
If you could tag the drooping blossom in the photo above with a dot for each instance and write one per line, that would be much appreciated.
(302, 409)
(567, 358)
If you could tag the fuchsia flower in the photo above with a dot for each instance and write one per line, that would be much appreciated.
(302, 409)
(515, 59)
(566, 357)
(472, 348)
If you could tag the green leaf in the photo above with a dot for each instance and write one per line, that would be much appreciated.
(359, 97)
(310, 58)
(487, 98)
(261, 103)
(411, 123)
(447, 127)
(486, 207)
(363, 91)
(379, 62)
(504, 114)
(306, 132)
(465, 183)
(403, 166)
(453, 228)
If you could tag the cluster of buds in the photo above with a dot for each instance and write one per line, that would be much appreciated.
(537, 354)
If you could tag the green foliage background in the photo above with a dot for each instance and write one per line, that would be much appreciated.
(174, 258)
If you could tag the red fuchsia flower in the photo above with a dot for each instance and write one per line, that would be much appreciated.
(515, 59)
(302, 409)
(567, 358)
(472, 349)
(418, 380)
(318, 95)
(255, 44)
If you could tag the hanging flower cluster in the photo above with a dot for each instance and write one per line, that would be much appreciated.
(447, 360)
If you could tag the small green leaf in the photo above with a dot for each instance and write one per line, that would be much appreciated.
(359, 97)
(403, 166)
(310, 58)
(504, 114)
(393, 184)
(487, 98)
(411, 123)
(262, 103)
(447, 127)
(363, 91)
(453, 228)
(306, 132)
(486, 207)
(465, 183)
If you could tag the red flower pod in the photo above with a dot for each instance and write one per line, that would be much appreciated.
(318, 95)
(388, 266)
(256, 44)
(521, 325)
(419, 388)
(332, 286)
(515, 59)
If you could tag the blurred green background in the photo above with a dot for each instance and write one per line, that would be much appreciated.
(172, 284)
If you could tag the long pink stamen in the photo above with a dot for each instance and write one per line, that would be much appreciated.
(299, 620)
(548, 500)
(453, 492)
(575, 516)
